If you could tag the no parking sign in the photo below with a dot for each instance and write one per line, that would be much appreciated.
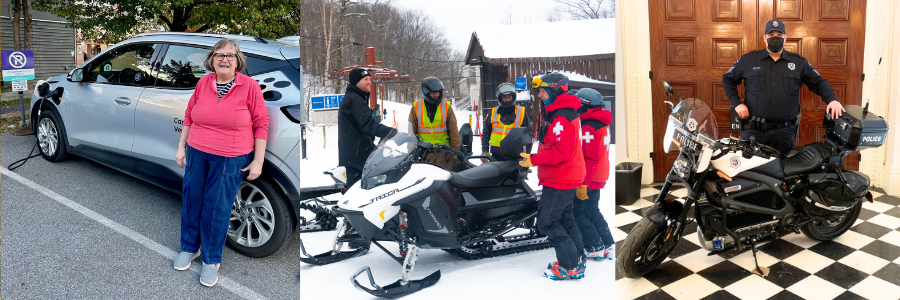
(17, 65)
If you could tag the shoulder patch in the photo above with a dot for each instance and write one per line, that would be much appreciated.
(567, 113)
(595, 124)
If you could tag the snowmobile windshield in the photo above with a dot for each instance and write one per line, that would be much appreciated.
(389, 161)
(691, 125)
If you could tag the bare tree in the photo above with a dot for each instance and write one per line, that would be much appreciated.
(589, 9)
(507, 18)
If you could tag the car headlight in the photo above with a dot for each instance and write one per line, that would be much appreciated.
(682, 167)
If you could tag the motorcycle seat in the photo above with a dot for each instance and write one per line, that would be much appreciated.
(487, 174)
(809, 158)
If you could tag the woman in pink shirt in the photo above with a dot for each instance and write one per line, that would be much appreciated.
(223, 136)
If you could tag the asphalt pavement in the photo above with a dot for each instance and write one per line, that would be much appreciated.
(77, 230)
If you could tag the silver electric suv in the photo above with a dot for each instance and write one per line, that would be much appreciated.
(124, 108)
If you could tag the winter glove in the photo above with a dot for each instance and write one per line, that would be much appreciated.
(527, 162)
(484, 160)
(390, 134)
(581, 192)
(394, 125)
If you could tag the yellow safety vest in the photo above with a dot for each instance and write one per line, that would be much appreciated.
(500, 130)
(432, 131)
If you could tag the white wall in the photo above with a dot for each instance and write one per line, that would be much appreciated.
(635, 138)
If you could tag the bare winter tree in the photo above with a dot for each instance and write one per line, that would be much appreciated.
(589, 9)
(406, 41)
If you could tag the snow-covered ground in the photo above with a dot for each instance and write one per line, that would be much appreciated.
(517, 276)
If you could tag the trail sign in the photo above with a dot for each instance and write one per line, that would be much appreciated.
(332, 101)
(17, 65)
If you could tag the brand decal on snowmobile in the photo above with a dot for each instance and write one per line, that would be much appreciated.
(427, 205)
(382, 196)
(735, 161)
(388, 194)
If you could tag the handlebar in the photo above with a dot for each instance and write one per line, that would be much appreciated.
(436, 148)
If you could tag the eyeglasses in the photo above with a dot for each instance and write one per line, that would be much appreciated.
(220, 56)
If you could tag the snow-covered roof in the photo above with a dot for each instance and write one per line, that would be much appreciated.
(581, 78)
(584, 37)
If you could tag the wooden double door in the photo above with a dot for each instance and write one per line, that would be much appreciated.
(694, 42)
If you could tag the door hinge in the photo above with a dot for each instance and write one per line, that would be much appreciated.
(859, 157)
(652, 155)
(651, 75)
(862, 77)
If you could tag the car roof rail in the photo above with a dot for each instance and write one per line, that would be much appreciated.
(203, 34)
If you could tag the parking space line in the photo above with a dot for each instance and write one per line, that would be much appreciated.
(224, 282)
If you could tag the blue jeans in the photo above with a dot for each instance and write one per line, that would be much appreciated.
(207, 193)
(594, 230)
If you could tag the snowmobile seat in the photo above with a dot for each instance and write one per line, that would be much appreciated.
(809, 158)
(487, 174)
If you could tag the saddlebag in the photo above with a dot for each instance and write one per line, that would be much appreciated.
(829, 190)
(856, 129)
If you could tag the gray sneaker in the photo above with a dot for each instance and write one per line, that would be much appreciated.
(183, 260)
(209, 275)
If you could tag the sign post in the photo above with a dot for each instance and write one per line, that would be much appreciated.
(18, 67)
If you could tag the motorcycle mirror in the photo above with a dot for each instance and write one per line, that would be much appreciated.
(668, 89)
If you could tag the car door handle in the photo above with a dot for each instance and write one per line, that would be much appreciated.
(122, 101)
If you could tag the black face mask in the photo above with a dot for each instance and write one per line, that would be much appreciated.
(775, 44)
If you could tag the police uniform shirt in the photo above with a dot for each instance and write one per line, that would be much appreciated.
(772, 88)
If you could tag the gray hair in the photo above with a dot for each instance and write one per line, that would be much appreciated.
(240, 59)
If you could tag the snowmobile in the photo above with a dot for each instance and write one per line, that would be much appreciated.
(325, 220)
(311, 200)
(419, 205)
(741, 192)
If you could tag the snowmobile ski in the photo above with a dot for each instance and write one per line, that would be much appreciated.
(401, 287)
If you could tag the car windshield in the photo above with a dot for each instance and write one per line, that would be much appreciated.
(691, 124)
(390, 154)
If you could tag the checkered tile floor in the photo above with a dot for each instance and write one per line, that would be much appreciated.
(863, 263)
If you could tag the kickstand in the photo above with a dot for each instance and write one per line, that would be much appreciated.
(758, 270)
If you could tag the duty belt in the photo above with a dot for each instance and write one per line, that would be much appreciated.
(761, 124)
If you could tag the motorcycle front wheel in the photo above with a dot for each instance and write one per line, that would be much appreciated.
(647, 246)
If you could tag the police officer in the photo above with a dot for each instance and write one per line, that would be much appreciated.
(432, 120)
(502, 119)
(772, 79)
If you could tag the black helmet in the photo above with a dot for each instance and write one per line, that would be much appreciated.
(554, 82)
(506, 89)
(432, 84)
(590, 98)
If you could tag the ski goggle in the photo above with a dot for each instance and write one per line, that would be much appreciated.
(537, 83)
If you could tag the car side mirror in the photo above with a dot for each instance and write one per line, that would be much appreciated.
(76, 76)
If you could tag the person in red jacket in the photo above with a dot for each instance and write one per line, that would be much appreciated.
(560, 170)
(595, 120)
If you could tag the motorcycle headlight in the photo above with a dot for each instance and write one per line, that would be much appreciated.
(682, 167)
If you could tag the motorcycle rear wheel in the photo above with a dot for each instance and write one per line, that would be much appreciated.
(823, 232)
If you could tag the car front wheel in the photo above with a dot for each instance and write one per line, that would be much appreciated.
(260, 223)
(50, 136)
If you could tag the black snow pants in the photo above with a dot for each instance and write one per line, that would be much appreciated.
(556, 219)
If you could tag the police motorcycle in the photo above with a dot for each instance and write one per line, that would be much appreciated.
(484, 211)
(312, 199)
(741, 192)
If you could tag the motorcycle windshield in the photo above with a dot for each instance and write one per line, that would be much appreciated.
(390, 154)
(690, 123)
